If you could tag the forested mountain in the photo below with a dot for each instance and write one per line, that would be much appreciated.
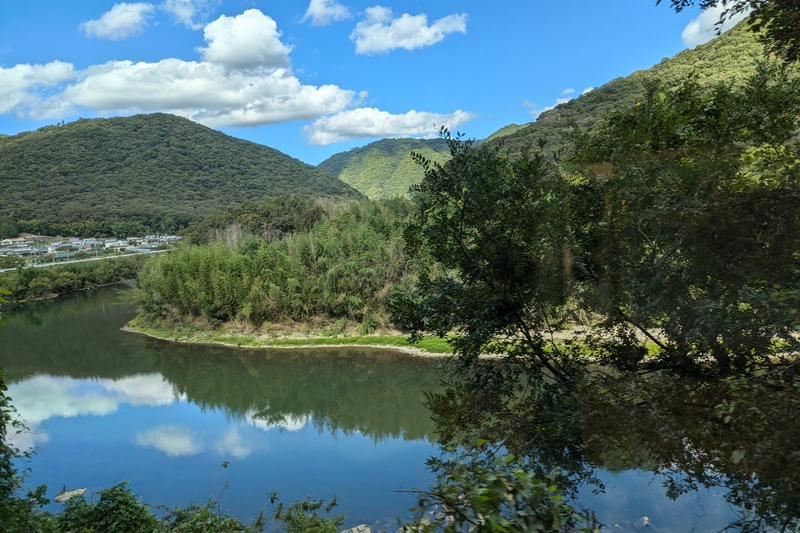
(153, 168)
(731, 57)
(384, 168)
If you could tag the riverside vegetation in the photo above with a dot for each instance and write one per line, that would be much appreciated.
(669, 240)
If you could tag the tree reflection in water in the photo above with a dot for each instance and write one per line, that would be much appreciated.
(737, 434)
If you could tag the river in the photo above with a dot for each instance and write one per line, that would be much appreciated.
(104, 406)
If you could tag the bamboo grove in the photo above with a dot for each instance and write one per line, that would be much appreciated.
(343, 268)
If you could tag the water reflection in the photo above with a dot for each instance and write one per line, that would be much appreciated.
(107, 405)
(732, 447)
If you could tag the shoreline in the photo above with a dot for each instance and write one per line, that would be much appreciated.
(253, 342)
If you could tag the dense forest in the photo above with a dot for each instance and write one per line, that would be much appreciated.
(340, 265)
(28, 283)
(129, 174)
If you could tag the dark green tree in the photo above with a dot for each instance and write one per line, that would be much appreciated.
(8, 229)
(687, 217)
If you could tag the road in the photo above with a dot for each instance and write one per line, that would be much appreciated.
(43, 265)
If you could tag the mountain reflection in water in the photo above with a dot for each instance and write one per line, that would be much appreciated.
(105, 405)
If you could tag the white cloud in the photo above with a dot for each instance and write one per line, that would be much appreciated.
(120, 22)
(568, 91)
(44, 397)
(322, 12)
(587, 90)
(703, 28)
(175, 441)
(205, 93)
(233, 444)
(382, 33)
(368, 122)
(20, 85)
(528, 104)
(248, 40)
(238, 85)
(190, 13)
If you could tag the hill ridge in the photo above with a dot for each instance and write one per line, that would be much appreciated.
(153, 166)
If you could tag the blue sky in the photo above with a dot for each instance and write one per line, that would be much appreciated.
(317, 77)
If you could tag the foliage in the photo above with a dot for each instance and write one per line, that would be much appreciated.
(27, 283)
(730, 58)
(344, 267)
(303, 516)
(384, 168)
(692, 240)
(777, 22)
(11, 261)
(272, 219)
(154, 171)
(117, 510)
(8, 229)
(502, 132)
(497, 498)
(731, 434)
(496, 228)
(207, 519)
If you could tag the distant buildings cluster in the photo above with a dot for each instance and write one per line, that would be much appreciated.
(37, 244)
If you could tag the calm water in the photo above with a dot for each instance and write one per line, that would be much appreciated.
(106, 406)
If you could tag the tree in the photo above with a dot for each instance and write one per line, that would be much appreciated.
(497, 230)
(693, 240)
(8, 229)
(778, 21)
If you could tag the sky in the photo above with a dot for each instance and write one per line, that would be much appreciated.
(316, 77)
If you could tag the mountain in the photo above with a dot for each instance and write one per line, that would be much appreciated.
(502, 132)
(384, 168)
(731, 57)
(151, 168)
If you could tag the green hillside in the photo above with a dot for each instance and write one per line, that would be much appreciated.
(384, 168)
(152, 168)
(730, 57)
(502, 132)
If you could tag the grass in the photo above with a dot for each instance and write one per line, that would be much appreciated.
(197, 334)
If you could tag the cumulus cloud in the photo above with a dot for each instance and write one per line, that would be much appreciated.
(245, 41)
(568, 91)
(120, 22)
(190, 13)
(368, 122)
(21, 85)
(175, 441)
(528, 104)
(205, 93)
(322, 12)
(703, 28)
(587, 90)
(380, 32)
(240, 83)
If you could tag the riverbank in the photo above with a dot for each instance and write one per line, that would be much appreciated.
(189, 334)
